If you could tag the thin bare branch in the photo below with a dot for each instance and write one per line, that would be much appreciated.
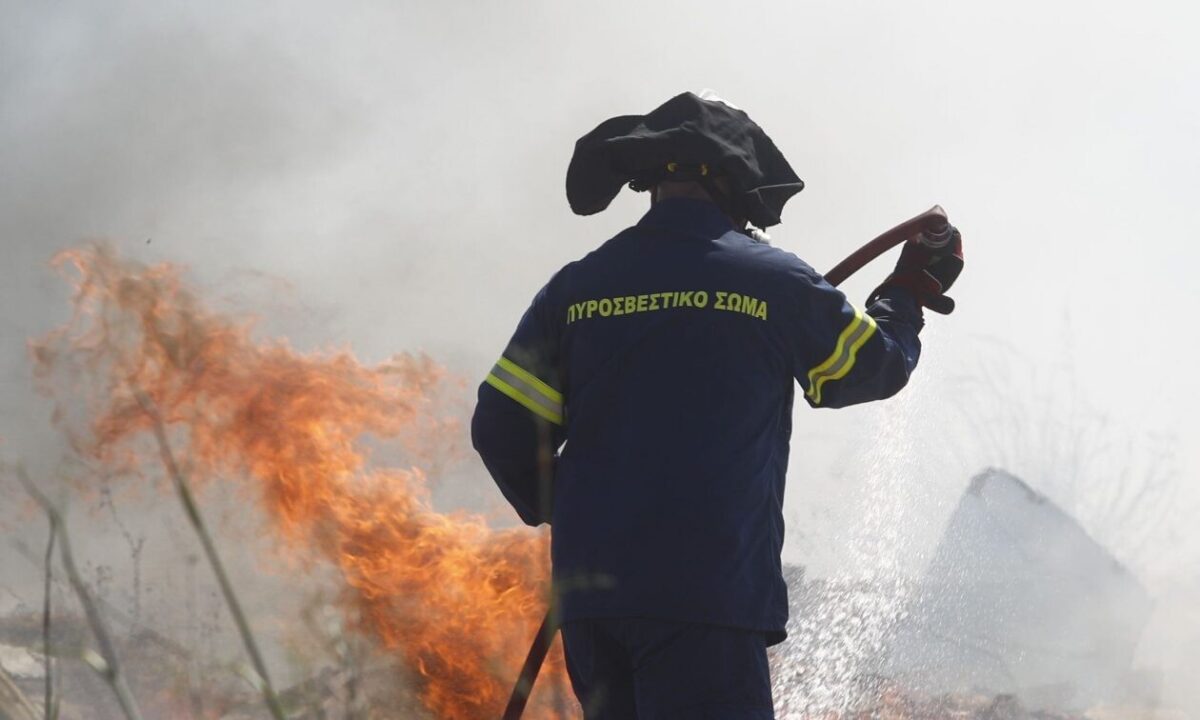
(192, 510)
(13, 703)
(47, 658)
(110, 670)
(112, 612)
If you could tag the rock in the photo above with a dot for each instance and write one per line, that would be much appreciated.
(1019, 599)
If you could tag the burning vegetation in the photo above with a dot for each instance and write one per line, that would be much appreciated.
(142, 362)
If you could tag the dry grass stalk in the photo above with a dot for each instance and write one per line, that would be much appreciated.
(13, 703)
(114, 614)
(110, 668)
(49, 703)
(192, 510)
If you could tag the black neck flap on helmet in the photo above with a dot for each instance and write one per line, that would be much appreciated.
(685, 138)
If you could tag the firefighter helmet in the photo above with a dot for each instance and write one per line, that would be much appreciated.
(689, 137)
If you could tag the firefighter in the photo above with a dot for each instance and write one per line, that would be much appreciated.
(643, 408)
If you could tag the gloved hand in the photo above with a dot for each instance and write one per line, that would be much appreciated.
(928, 265)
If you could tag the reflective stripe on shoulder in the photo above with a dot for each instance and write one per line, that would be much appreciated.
(835, 367)
(524, 387)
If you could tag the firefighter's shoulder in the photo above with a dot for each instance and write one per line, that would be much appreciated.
(775, 263)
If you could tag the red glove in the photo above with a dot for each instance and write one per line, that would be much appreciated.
(929, 264)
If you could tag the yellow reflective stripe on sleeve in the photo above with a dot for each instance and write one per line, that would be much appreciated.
(835, 367)
(525, 388)
(530, 379)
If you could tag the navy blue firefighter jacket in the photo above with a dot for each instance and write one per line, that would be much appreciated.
(644, 409)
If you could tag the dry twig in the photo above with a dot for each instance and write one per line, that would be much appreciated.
(184, 491)
(51, 708)
(107, 665)
(13, 703)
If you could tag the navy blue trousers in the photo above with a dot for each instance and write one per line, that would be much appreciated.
(660, 670)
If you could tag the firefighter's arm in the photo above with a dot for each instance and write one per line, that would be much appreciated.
(518, 423)
(846, 356)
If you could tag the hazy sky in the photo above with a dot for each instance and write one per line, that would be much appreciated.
(389, 176)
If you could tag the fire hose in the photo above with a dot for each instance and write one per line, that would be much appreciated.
(930, 228)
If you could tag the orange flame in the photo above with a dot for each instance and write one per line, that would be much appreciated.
(457, 600)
